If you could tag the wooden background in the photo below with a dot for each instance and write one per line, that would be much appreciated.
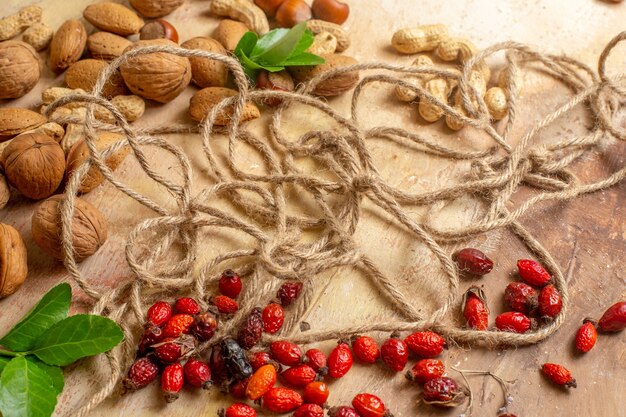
(586, 236)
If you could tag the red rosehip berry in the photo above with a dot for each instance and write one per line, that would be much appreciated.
(186, 305)
(204, 326)
(368, 405)
(559, 375)
(172, 381)
(316, 392)
(342, 411)
(177, 325)
(444, 392)
(142, 372)
(475, 309)
(159, 313)
(613, 319)
(230, 284)
(425, 370)
(365, 349)
(289, 292)
(586, 336)
(513, 321)
(225, 304)
(340, 360)
(426, 344)
(168, 351)
(151, 336)
(550, 302)
(394, 353)
(298, 376)
(197, 373)
(273, 318)
(251, 329)
(282, 400)
(317, 360)
(309, 410)
(238, 389)
(258, 359)
(238, 410)
(533, 272)
(286, 353)
(473, 261)
(521, 297)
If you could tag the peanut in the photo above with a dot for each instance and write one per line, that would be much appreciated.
(53, 130)
(318, 26)
(478, 82)
(455, 49)
(243, 10)
(497, 102)
(38, 36)
(73, 134)
(419, 39)
(13, 25)
(323, 43)
(439, 88)
(408, 95)
(132, 107)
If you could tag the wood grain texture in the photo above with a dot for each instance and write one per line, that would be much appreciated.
(586, 236)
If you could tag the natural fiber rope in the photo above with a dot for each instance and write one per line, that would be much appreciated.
(279, 254)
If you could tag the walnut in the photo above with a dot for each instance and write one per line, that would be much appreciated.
(20, 69)
(89, 228)
(34, 163)
(13, 265)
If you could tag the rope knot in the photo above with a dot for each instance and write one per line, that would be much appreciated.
(539, 156)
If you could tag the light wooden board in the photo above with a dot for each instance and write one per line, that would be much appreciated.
(587, 236)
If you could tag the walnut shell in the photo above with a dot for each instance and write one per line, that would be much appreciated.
(204, 100)
(5, 193)
(159, 76)
(14, 121)
(67, 46)
(13, 265)
(79, 154)
(333, 86)
(84, 74)
(207, 72)
(34, 164)
(89, 228)
(20, 69)
(156, 8)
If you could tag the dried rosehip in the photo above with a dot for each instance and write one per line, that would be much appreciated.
(258, 359)
(159, 313)
(236, 360)
(394, 353)
(444, 392)
(559, 375)
(473, 261)
(238, 410)
(365, 349)
(340, 360)
(286, 353)
(169, 351)
(142, 372)
(425, 370)
(614, 318)
(533, 273)
(316, 392)
(521, 297)
(586, 336)
(151, 336)
(186, 305)
(197, 373)
(316, 359)
(273, 318)
(177, 325)
(513, 321)
(251, 329)
(289, 292)
(309, 410)
(224, 304)
(426, 344)
(550, 302)
(172, 381)
(238, 389)
(298, 376)
(368, 405)
(219, 371)
(204, 326)
(342, 411)
(475, 309)
(282, 400)
(230, 284)
(260, 382)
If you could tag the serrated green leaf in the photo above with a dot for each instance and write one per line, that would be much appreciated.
(280, 48)
(77, 337)
(304, 59)
(304, 43)
(54, 372)
(26, 390)
(52, 308)
(246, 43)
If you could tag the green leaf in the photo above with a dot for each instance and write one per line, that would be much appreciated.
(26, 390)
(51, 309)
(3, 362)
(266, 41)
(305, 42)
(77, 337)
(246, 43)
(304, 58)
(279, 47)
(54, 372)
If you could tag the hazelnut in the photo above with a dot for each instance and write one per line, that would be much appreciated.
(331, 11)
(20, 69)
(292, 12)
(13, 265)
(268, 6)
(89, 228)
(159, 29)
(34, 163)
(280, 81)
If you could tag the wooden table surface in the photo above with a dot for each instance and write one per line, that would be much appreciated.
(586, 236)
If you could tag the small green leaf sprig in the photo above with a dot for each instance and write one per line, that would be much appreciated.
(276, 50)
(33, 352)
